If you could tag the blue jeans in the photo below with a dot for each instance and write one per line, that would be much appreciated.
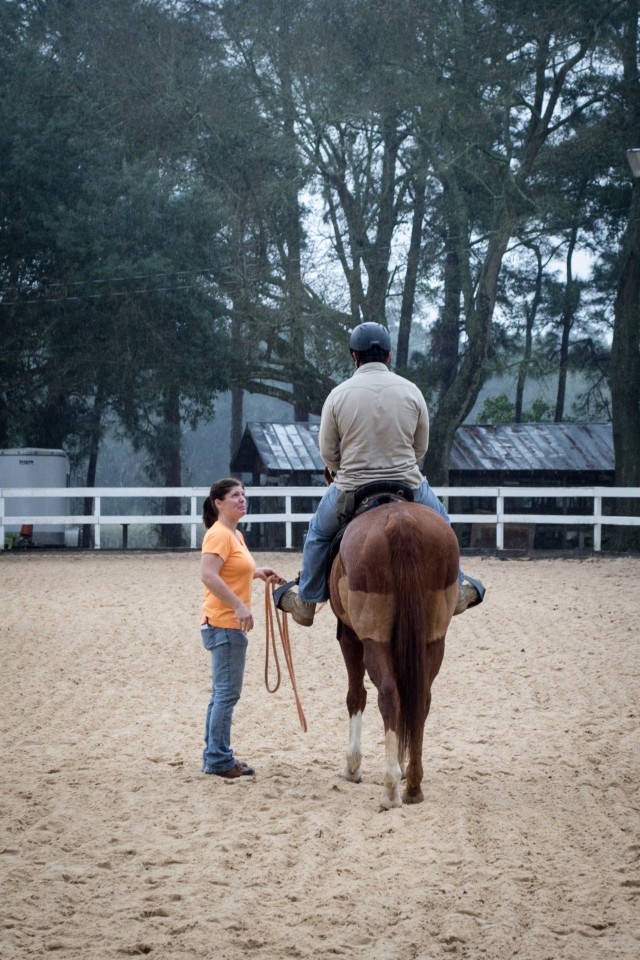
(323, 528)
(228, 654)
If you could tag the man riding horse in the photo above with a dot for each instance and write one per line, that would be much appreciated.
(374, 426)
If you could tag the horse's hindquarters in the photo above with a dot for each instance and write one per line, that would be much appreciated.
(394, 586)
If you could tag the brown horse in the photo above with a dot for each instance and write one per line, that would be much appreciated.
(393, 589)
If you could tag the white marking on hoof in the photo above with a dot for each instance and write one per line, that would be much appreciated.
(391, 798)
(354, 777)
(354, 750)
(393, 773)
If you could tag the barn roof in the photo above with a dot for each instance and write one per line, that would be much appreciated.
(539, 447)
(280, 447)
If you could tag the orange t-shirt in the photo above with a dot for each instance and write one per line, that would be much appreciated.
(237, 571)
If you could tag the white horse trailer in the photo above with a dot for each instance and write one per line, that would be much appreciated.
(28, 468)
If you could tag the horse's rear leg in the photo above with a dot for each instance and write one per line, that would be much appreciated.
(356, 699)
(379, 666)
(414, 773)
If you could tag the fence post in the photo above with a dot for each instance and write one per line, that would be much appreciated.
(499, 521)
(288, 524)
(96, 514)
(597, 525)
(193, 525)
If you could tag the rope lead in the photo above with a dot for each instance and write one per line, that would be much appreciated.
(283, 628)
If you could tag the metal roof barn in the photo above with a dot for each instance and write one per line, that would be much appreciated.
(523, 454)
(283, 452)
(578, 453)
(547, 453)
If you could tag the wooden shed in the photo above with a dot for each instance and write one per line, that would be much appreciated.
(533, 454)
(278, 455)
(284, 454)
(521, 454)
(530, 455)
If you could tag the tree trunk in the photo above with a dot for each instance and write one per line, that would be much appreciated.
(625, 354)
(170, 463)
(237, 419)
(293, 230)
(446, 332)
(458, 400)
(625, 346)
(569, 308)
(411, 275)
(95, 436)
(530, 313)
(377, 253)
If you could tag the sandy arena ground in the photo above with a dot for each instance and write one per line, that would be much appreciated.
(113, 844)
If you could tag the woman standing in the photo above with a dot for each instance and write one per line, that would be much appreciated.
(227, 570)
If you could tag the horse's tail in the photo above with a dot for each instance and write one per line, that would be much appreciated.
(408, 562)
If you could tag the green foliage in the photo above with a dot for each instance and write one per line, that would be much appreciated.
(501, 410)
(202, 195)
(497, 410)
(111, 252)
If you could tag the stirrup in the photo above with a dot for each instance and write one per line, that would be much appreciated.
(280, 592)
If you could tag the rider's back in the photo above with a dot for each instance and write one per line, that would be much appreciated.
(374, 425)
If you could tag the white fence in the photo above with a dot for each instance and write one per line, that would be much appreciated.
(101, 518)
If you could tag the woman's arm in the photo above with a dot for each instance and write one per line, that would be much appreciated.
(210, 567)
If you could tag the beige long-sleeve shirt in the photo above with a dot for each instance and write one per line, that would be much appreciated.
(374, 426)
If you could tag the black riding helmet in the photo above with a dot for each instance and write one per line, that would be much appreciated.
(368, 335)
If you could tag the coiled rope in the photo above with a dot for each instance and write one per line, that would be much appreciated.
(283, 628)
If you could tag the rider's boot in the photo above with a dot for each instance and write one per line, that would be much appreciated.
(470, 593)
(288, 600)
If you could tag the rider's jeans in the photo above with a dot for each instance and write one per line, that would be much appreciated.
(323, 528)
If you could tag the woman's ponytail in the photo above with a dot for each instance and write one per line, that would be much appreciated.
(209, 512)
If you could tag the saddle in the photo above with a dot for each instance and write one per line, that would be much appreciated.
(355, 502)
(351, 504)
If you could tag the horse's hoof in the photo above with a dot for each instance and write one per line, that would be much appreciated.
(355, 777)
(390, 802)
(417, 797)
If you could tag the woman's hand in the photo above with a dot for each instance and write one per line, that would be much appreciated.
(245, 617)
(268, 575)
